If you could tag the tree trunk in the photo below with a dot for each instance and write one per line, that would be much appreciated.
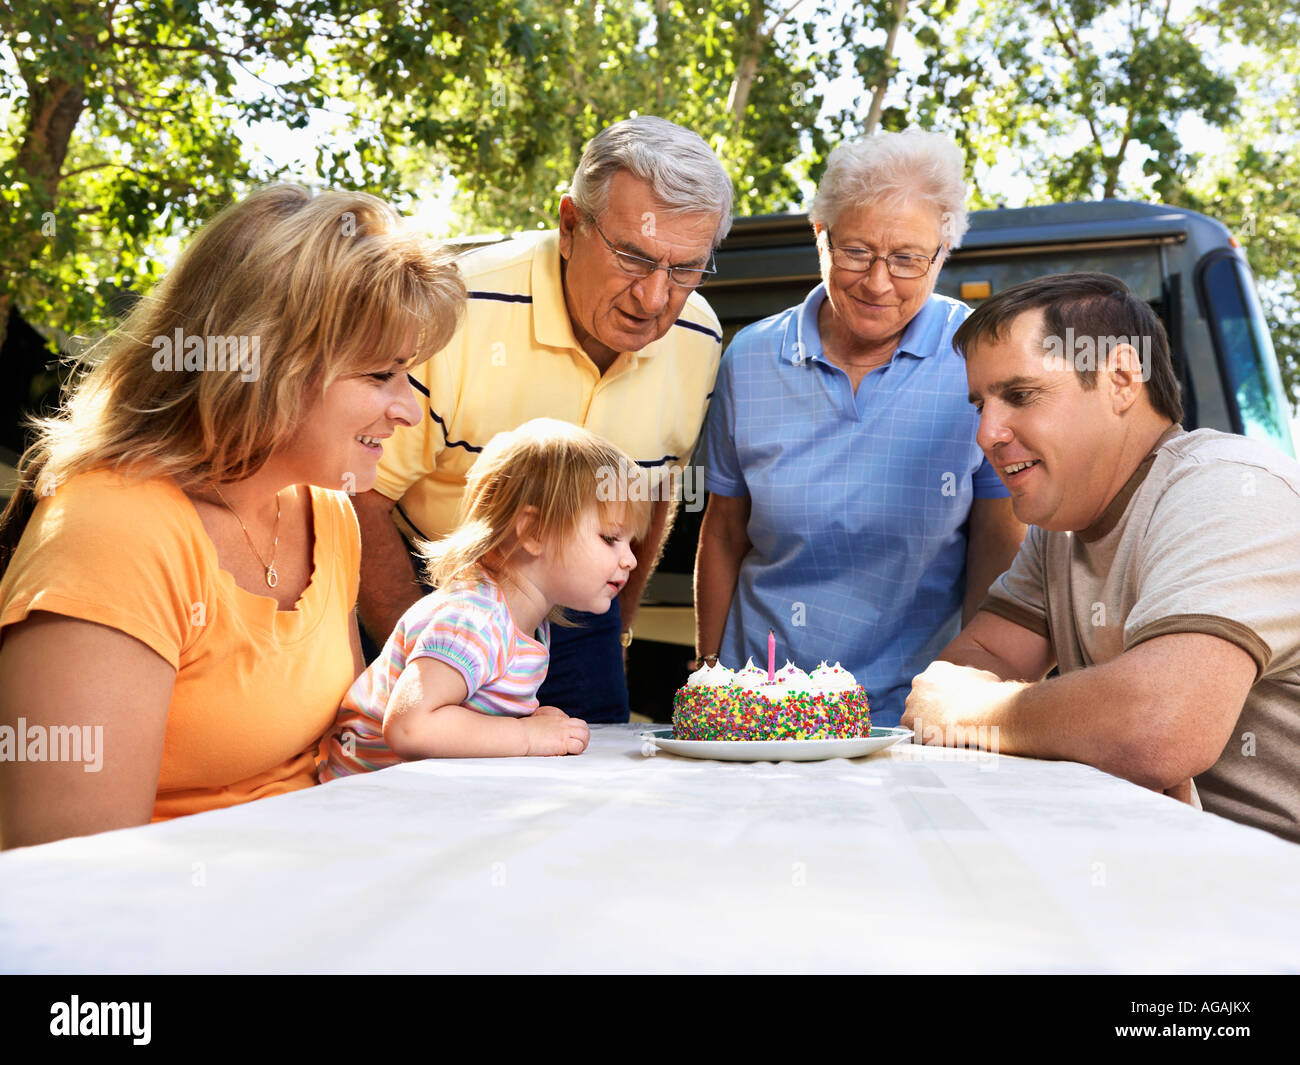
(53, 109)
(1112, 178)
(886, 76)
(747, 68)
(6, 302)
(661, 16)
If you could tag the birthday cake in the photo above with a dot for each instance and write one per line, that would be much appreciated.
(720, 704)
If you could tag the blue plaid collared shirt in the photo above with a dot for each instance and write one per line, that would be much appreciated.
(859, 503)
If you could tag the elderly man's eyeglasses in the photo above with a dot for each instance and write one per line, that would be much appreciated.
(636, 266)
(899, 264)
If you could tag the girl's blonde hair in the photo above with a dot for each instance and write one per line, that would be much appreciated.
(546, 469)
(325, 285)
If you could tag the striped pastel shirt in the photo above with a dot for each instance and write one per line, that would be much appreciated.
(469, 627)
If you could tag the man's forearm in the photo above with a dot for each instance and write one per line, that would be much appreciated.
(1035, 719)
(1095, 716)
(648, 552)
(994, 539)
(717, 569)
(977, 658)
(1002, 647)
(388, 582)
(1111, 716)
(981, 571)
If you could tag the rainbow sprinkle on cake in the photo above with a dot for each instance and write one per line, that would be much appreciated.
(719, 704)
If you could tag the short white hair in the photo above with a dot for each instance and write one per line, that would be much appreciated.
(892, 167)
(680, 168)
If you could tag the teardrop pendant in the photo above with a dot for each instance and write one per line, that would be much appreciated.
(272, 578)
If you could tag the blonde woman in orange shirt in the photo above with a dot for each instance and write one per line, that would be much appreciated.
(180, 561)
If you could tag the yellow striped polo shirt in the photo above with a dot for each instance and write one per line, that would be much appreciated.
(514, 358)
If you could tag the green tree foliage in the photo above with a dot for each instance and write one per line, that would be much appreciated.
(1131, 98)
(122, 128)
(1077, 89)
(1253, 186)
(121, 122)
(123, 119)
(512, 129)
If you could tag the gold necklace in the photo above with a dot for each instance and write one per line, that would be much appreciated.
(272, 578)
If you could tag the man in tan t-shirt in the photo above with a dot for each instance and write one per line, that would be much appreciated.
(1161, 572)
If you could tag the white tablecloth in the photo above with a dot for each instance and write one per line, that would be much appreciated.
(912, 860)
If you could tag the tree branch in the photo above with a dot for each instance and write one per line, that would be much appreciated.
(153, 46)
(766, 35)
(84, 169)
(1060, 35)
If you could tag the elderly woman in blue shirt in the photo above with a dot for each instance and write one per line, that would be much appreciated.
(851, 510)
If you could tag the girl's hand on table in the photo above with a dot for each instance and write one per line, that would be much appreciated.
(549, 711)
(555, 732)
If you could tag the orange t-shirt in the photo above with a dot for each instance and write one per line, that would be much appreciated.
(256, 687)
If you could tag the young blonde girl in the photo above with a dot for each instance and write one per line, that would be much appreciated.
(459, 675)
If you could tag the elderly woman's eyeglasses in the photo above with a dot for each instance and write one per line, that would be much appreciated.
(636, 266)
(899, 264)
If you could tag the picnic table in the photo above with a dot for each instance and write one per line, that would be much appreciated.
(915, 859)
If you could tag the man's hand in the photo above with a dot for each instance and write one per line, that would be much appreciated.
(948, 704)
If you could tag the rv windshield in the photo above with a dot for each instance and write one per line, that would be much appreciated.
(1245, 350)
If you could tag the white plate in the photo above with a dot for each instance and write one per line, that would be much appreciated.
(778, 750)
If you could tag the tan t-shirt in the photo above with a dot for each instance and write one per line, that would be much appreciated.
(1204, 537)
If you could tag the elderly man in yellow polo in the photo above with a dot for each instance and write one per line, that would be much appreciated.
(1160, 573)
(596, 323)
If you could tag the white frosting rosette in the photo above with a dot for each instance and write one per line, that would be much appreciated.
(832, 680)
(714, 676)
(751, 678)
(796, 682)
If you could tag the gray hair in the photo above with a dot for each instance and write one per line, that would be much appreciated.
(886, 167)
(677, 164)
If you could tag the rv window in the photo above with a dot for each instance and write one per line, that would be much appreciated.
(1245, 350)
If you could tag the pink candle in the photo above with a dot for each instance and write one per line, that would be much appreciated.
(771, 657)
